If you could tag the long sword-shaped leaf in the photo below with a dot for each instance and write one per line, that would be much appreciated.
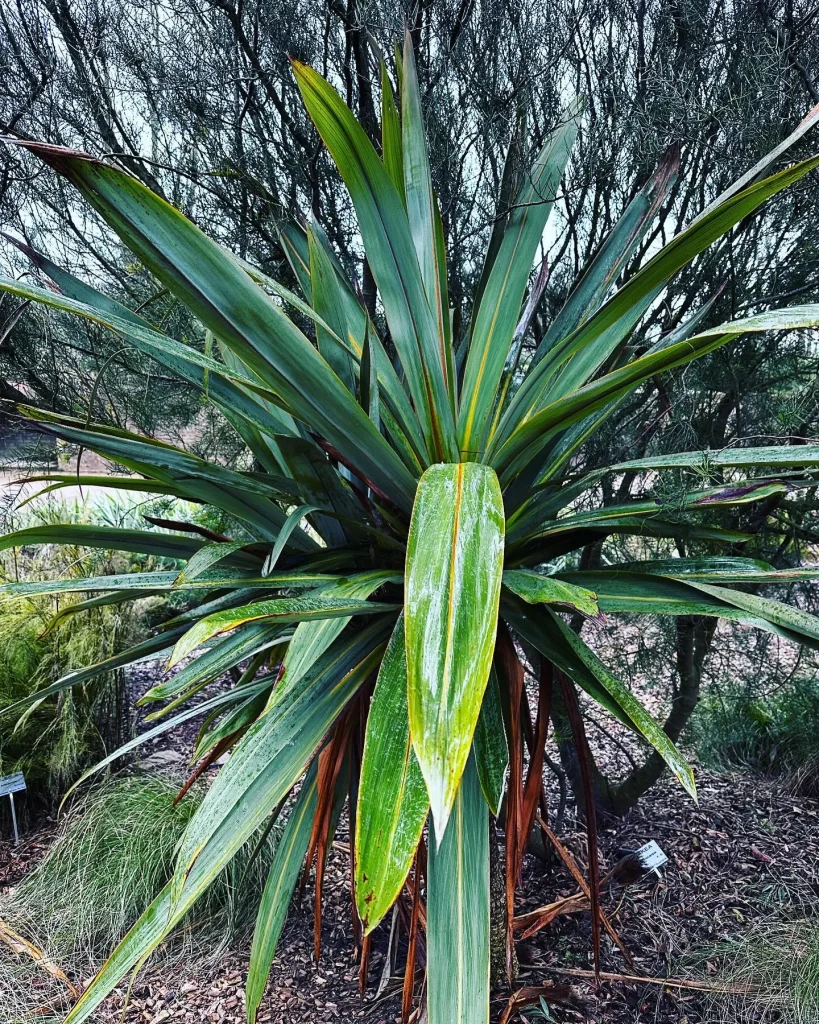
(278, 609)
(614, 253)
(294, 243)
(211, 483)
(73, 286)
(499, 309)
(267, 764)
(742, 492)
(392, 796)
(458, 912)
(639, 593)
(220, 292)
(422, 207)
(767, 161)
(529, 438)
(783, 455)
(650, 594)
(225, 386)
(657, 272)
(360, 329)
(453, 578)
(804, 625)
(719, 570)
(382, 220)
(271, 757)
(159, 581)
(278, 891)
(88, 535)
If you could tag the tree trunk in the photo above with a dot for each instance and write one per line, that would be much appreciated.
(613, 800)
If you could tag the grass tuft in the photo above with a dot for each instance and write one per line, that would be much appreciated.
(781, 962)
(112, 855)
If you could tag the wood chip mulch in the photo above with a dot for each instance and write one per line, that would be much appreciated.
(749, 852)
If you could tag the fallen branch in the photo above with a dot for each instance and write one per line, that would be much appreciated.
(532, 922)
(738, 989)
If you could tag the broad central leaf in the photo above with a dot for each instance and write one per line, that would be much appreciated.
(453, 578)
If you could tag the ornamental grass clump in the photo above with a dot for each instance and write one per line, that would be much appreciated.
(413, 505)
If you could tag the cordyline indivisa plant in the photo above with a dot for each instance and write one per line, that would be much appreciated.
(411, 507)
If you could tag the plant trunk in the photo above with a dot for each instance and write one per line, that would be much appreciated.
(497, 912)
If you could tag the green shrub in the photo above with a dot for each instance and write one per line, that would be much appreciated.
(777, 733)
(60, 737)
(41, 639)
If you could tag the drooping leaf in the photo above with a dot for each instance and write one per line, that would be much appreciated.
(452, 588)
(490, 746)
(796, 621)
(536, 588)
(278, 891)
(655, 594)
(721, 570)
(642, 720)
(783, 455)
(392, 796)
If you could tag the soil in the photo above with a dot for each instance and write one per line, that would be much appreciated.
(747, 853)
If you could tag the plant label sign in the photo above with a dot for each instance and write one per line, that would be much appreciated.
(652, 857)
(9, 785)
(12, 784)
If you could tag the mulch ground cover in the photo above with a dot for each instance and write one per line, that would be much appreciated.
(748, 852)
